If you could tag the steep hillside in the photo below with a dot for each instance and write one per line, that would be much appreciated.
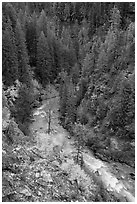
(104, 98)
(68, 91)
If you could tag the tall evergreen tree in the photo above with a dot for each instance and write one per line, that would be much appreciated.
(63, 94)
(53, 52)
(22, 17)
(31, 38)
(74, 37)
(42, 24)
(23, 59)
(23, 106)
(83, 40)
(44, 60)
(109, 48)
(71, 102)
(10, 12)
(9, 56)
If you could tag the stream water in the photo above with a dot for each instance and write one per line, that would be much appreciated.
(108, 173)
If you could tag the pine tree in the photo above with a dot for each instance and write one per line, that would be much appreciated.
(65, 36)
(75, 72)
(67, 99)
(23, 105)
(74, 38)
(67, 12)
(89, 62)
(83, 40)
(31, 38)
(9, 56)
(9, 12)
(23, 59)
(44, 60)
(53, 49)
(42, 24)
(22, 17)
(63, 94)
(109, 49)
(71, 103)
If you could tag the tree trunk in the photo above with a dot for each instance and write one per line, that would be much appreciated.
(49, 122)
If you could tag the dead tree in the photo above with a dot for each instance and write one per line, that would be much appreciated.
(49, 121)
(49, 112)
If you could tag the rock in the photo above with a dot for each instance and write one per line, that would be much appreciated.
(56, 163)
(46, 176)
(37, 175)
(26, 192)
(39, 193)
(122, 177)
(114, 144)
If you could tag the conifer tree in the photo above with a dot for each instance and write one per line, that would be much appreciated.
(74, 38)
(89, 62)
(23, 59)
(63, 94)
(109, 48)
(65, 36)
(9, 56)
(75, 71)
(22, 17)
(31, 38)
(83, 39)
(42, 24)
(10, 13)
(44, 60)
(67, 99)
(23, 106)
(71, 102)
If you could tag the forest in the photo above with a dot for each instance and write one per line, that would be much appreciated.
(68, 100)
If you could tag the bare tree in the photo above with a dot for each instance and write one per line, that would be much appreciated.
(49, 120)
(49, 110)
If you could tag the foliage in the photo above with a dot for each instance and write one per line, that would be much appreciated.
(11, 138)
(107, 101)
(9, 55)
(9, 12)
(68, 99)
(31, 38)
(44, 60)
(20, 101)
(23, 60)
(42, 24)
(89, 49)
(23, 108)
